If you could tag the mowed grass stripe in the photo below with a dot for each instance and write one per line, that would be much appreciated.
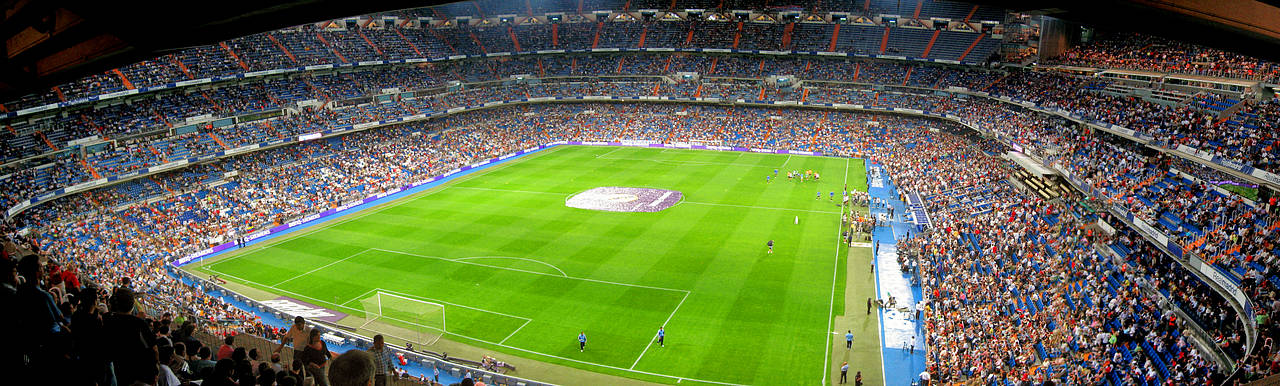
(749, 317)
(507, 291)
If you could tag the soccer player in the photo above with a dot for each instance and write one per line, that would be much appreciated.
(819, 195)
(833, 196)
(775, 172)
(766, 179)
(770, 246)
(662, 334)
(582, 341)
(844, 372)
(848, 340)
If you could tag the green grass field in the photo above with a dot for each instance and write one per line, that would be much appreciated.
(521, 274)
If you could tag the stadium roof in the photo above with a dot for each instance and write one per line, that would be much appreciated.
(1248, 27)
(48, 42)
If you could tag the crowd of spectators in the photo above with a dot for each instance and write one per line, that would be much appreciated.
(1134, 51)
(986, 264)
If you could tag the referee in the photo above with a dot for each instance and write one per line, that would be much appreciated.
(582, 341)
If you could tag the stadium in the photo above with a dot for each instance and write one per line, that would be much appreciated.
(633, 192)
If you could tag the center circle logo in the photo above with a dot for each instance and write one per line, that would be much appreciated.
(622, 199)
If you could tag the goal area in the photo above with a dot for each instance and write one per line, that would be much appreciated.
(407, 318)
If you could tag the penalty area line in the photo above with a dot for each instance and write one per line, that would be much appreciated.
(322, 267)
(498, 344)
(655, 334)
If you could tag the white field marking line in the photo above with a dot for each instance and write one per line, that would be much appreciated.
(831, 305)
(513, 333)
(424, 298)
(532, 272)
(366, 212)
(360, 296)
(516, 258)
(503, 190)
(660, 199)
(687, 163)
(678, 378)
(322, 267)
(610, 152)
(784, 163)
(220, 273)
(760, 207)
(655, 334)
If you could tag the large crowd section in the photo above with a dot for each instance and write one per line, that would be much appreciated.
(1132, 51)
(406, 38)
(1069, 312)
(1018, 288)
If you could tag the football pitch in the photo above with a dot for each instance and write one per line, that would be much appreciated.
(520, 274)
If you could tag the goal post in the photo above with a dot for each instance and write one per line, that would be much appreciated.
(398, 315)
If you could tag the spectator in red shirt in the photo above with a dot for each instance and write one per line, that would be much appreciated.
(225, 351)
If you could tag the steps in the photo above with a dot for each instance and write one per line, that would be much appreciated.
(595, 42)
(330, 47)
(929, 47)
(884, 40)
(786, 35)
(215, 138)
(835, 36)
(737, 36)
(226, 47)
(166, 188)
(290, 54)
(515, 42)
(555, 35)
(123, 79)
(370, 43)
(476, 39)
(971, 45)
(46, 140)
(643, 34)
(90, 169)
(182, 67)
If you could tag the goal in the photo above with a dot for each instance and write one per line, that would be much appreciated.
(395, 315)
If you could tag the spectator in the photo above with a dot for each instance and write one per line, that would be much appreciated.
(315, 356)
(382, 358)
(131, 341)
(353, 368)
(228, 347)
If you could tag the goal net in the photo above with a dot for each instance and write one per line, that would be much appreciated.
(404, 317)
